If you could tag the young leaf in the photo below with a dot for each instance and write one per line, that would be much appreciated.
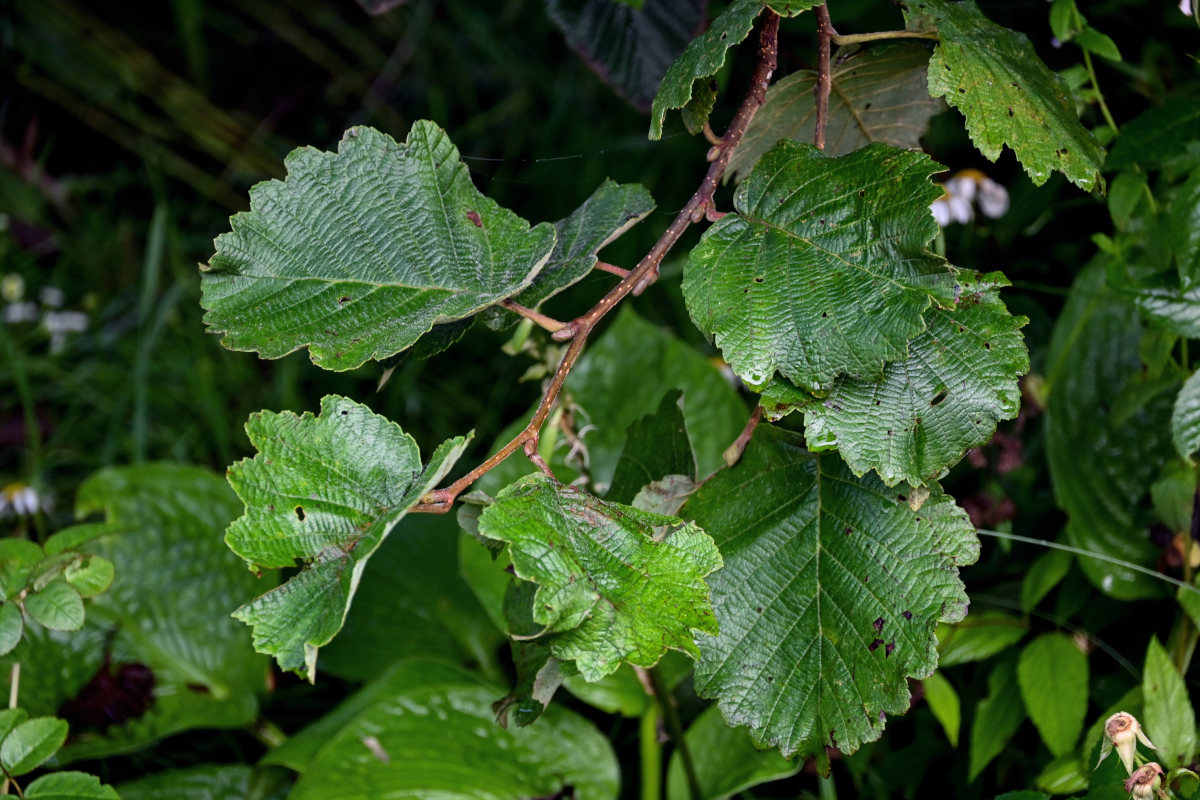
(705, 56)
(90, 576)
(1043, 575)
(360, 252)
(325, 491)
(629, 45)
(1101, 470)
(959, 380)
(614, 583)
(1007, 95)
(58, 607)
(997, 718)
(12, 625)
(1185, 420)
(31, 743)
(69, 786)
(726, 760)
(604, 217)
(17, 560)
(943, 702)
(824, 270)
(829, 597)
(1169, 717)
(877, 95)
(1053, 676)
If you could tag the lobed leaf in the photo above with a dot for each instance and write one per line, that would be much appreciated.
(614, 583)
(358, 253)
(831, 591)
(876, 95)
(704, 57)
(958, 381)
(824, 270)
(1006, 94)
(610, 211)
(324, 491)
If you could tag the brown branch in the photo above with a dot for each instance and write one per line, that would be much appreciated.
(825, 34)
(733, 453)
(604, 266)
(538, 318)
(641, 276)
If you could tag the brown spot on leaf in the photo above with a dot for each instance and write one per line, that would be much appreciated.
(474, 217)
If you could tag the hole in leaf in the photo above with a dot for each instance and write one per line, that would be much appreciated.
(939, 397)
(907, 615)
(300, 513)
(758, 280)
(874, 644)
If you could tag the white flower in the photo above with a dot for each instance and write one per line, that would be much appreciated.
(15, 313)
(51, 296)
(1186, 6)
(19, 499)
(964, 188)
(1123, 731)
(59, 323)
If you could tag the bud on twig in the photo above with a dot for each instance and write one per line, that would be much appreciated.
(1123, 731)
(1145, 780)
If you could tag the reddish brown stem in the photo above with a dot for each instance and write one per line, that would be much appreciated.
(825, 34)
(604, 266)
(578, 329)
(537, 317)
(733, 453)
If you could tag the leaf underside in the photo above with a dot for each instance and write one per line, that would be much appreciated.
(323, 491)
(1006, 94)
(876, 95)
(614, 583)
(358, 253)
(828, 600)
(824, 270)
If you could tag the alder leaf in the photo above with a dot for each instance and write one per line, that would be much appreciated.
(611, 210)
(959, 380)
(1007, 95)
(614, 583)
(358, 253)
(829, 597)
(705, 56)
(323, 491)
(824, 270)
(876, 95)
(629, 48)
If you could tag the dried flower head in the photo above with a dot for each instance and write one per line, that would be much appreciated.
(1123, 731)
(1144, 780)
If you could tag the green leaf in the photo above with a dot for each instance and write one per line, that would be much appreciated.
(1159, 136)
(800, 281)
(1185, 420)
(69, 786)
(1168, 719)
(629, 44)
(943, 702)
(997, 717)
(614, 583)
(359, 253)
(726, 760)
(9, 719)
(705, 56)
(91, 576)
(1098, 43)
(958, 381)
(979, 637)
(1053, 675)
(1163, 301)
(58, 607)
(1185, 229)
(1125, 194)
(11, 627)
(1183, 781)
(167, 612)
(1093, 352)
(413, 602)
(208, 782)
(1046, 572)
(17, 559)
(603, 218)
(326, 491)
(73, 537)
(424, 730)
(829, 597)
(1007, 95)
(656, 446)
(877, 95)
(1063, 14)
(1064, 775)
(623, 375)
(1108, 781)
(32, 742)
